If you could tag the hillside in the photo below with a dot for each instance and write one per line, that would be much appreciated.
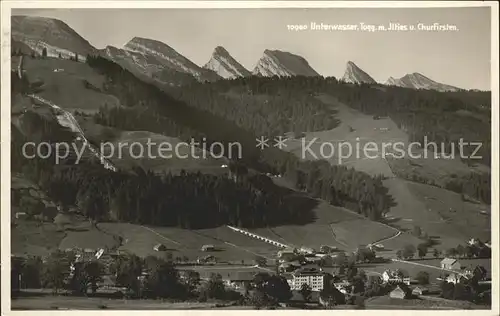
(54, 35)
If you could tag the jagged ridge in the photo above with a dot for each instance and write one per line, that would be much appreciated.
(283, 64)
(418, 81)
(225, 65)
(354, 74)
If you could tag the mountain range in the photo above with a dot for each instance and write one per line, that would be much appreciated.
(154, 60)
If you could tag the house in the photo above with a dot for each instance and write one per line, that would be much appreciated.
(327, 249)
(390, 276)
(450, 264)
(343, 286)
(420, 290)
(307, 250)
(160, 247)
(289, 266)
(454, 278)
(313, 277)
(312, 259)
(287, 255)
(208, 248)
(400, 292)
(237, 279)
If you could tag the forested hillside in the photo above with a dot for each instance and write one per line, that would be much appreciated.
(337, 184)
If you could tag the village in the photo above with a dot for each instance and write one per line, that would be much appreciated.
(321, 278)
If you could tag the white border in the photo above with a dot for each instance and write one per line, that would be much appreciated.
(6, 7)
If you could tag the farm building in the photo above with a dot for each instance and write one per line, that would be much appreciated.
(160, 247)
(420, 290)
(450, 264)
(237, 279)
(307, 250)
(289, 266)
(344, 286)
(395, 277)
(455, 278)
(327, 249)
(208, 248)
(312, 259)
(399, 292)
(286, 255)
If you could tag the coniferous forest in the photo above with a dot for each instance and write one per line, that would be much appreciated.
(195, 200)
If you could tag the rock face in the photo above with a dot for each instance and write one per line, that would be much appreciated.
(283, 64)
(154, 60)
(354, 74)
(167, 57)
(418, 81)
(223, 64)
(54, 35)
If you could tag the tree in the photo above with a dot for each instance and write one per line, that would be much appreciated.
(214, 288)
(436, 253)
(31, 272)
(358, 285)
(422, 277)
(275, 287)
(399, 254)
(332, 296)
(192, 280)
(422, 250)
(260, 261)
(408, 251)
(462, 292)
(59, 55)
(461, 251)
(452, 252)
(44, 52)
(447, 290)
(374, 286)
(417, 231)
(305, 291)
(352, 271)
(55, 270)
(340, 259)
(76, 56)
(163, 279)
(127, 270)
(365, 254)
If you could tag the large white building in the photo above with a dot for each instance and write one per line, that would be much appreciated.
(310, 276)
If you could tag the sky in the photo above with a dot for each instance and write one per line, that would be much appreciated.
(460, 58)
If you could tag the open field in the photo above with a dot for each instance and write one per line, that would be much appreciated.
(332, 226)
(31, 238)
(89, 237)
(439, 212)
(356, 129)
(386, 302)
(230, 246)
(439, 171)
(62, 86)
(49, 302)
(130, 148)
